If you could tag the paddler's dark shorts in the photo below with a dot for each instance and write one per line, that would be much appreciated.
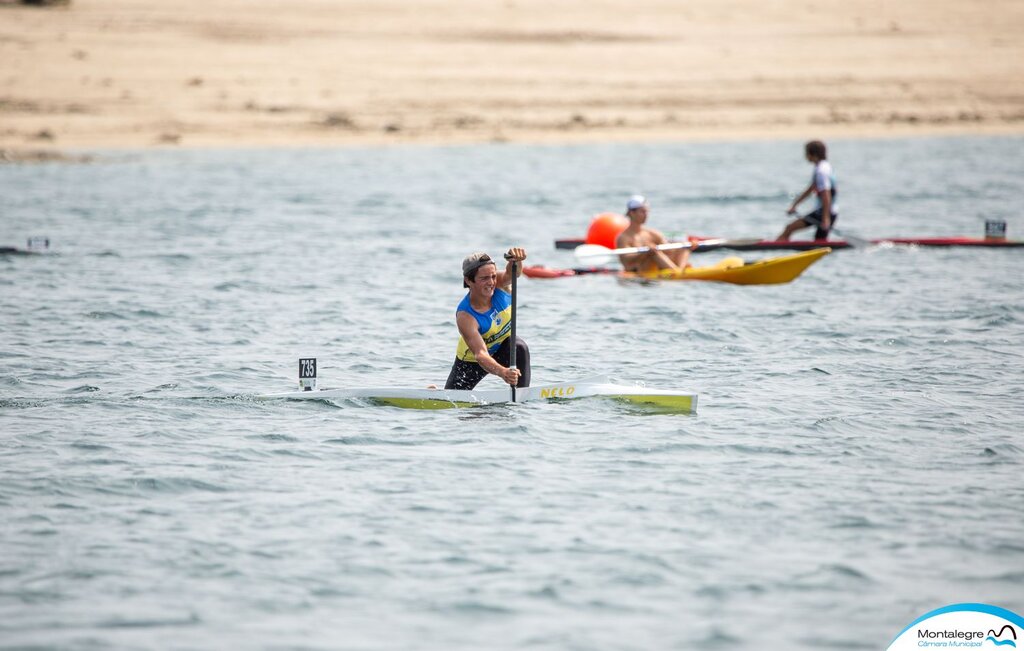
(466, 375)
(814, 219)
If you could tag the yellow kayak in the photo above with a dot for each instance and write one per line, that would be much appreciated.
(770, 271)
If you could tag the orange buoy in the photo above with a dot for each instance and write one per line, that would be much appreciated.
(605, 228)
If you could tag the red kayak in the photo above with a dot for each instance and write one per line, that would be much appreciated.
(806, 245)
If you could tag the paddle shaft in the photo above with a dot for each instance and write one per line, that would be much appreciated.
(599, 253)
(512, 334)
(594, 250)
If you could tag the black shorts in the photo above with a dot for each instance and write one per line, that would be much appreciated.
(466, 375)
(814, 219)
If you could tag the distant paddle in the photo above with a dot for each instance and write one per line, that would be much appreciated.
(596, 253)
(852, 240)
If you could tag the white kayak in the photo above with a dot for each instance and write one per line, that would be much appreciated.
(663, 399)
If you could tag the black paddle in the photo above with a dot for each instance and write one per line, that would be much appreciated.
(512, 335)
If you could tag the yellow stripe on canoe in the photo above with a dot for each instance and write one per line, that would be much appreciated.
(425, 403)
(681, 404)
(674, 403)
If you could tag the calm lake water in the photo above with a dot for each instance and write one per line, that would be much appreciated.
(856, 461)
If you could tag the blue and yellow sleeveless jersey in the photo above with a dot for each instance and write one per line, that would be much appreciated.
(494, 326)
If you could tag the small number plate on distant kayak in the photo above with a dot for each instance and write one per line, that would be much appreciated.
(307, 368)
(995, 229)
(38, 243)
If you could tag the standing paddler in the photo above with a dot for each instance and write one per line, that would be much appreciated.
(823, 186)
(484, 318)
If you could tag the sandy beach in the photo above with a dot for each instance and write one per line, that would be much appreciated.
(197, 73)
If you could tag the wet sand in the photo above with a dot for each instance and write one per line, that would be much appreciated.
(137, 73)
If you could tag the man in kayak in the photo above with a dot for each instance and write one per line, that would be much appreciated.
(484, 318)
(636, 234)
(823, 184)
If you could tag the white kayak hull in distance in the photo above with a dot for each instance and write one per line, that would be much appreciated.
(664, 400)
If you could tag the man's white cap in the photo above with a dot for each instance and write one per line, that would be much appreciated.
(636, 201)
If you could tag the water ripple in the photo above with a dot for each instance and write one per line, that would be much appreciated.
(857, 428)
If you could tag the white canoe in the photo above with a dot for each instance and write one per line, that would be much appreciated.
(663, 399)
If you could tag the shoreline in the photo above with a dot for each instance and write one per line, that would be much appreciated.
(88, 151)
(131, 74)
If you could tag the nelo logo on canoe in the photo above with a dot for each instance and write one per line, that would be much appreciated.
(557, 392)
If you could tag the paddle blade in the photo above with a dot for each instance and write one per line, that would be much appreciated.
(723, 243)
(594, 253)
(853, 240)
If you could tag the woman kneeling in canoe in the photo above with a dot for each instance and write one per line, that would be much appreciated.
(484, 318)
